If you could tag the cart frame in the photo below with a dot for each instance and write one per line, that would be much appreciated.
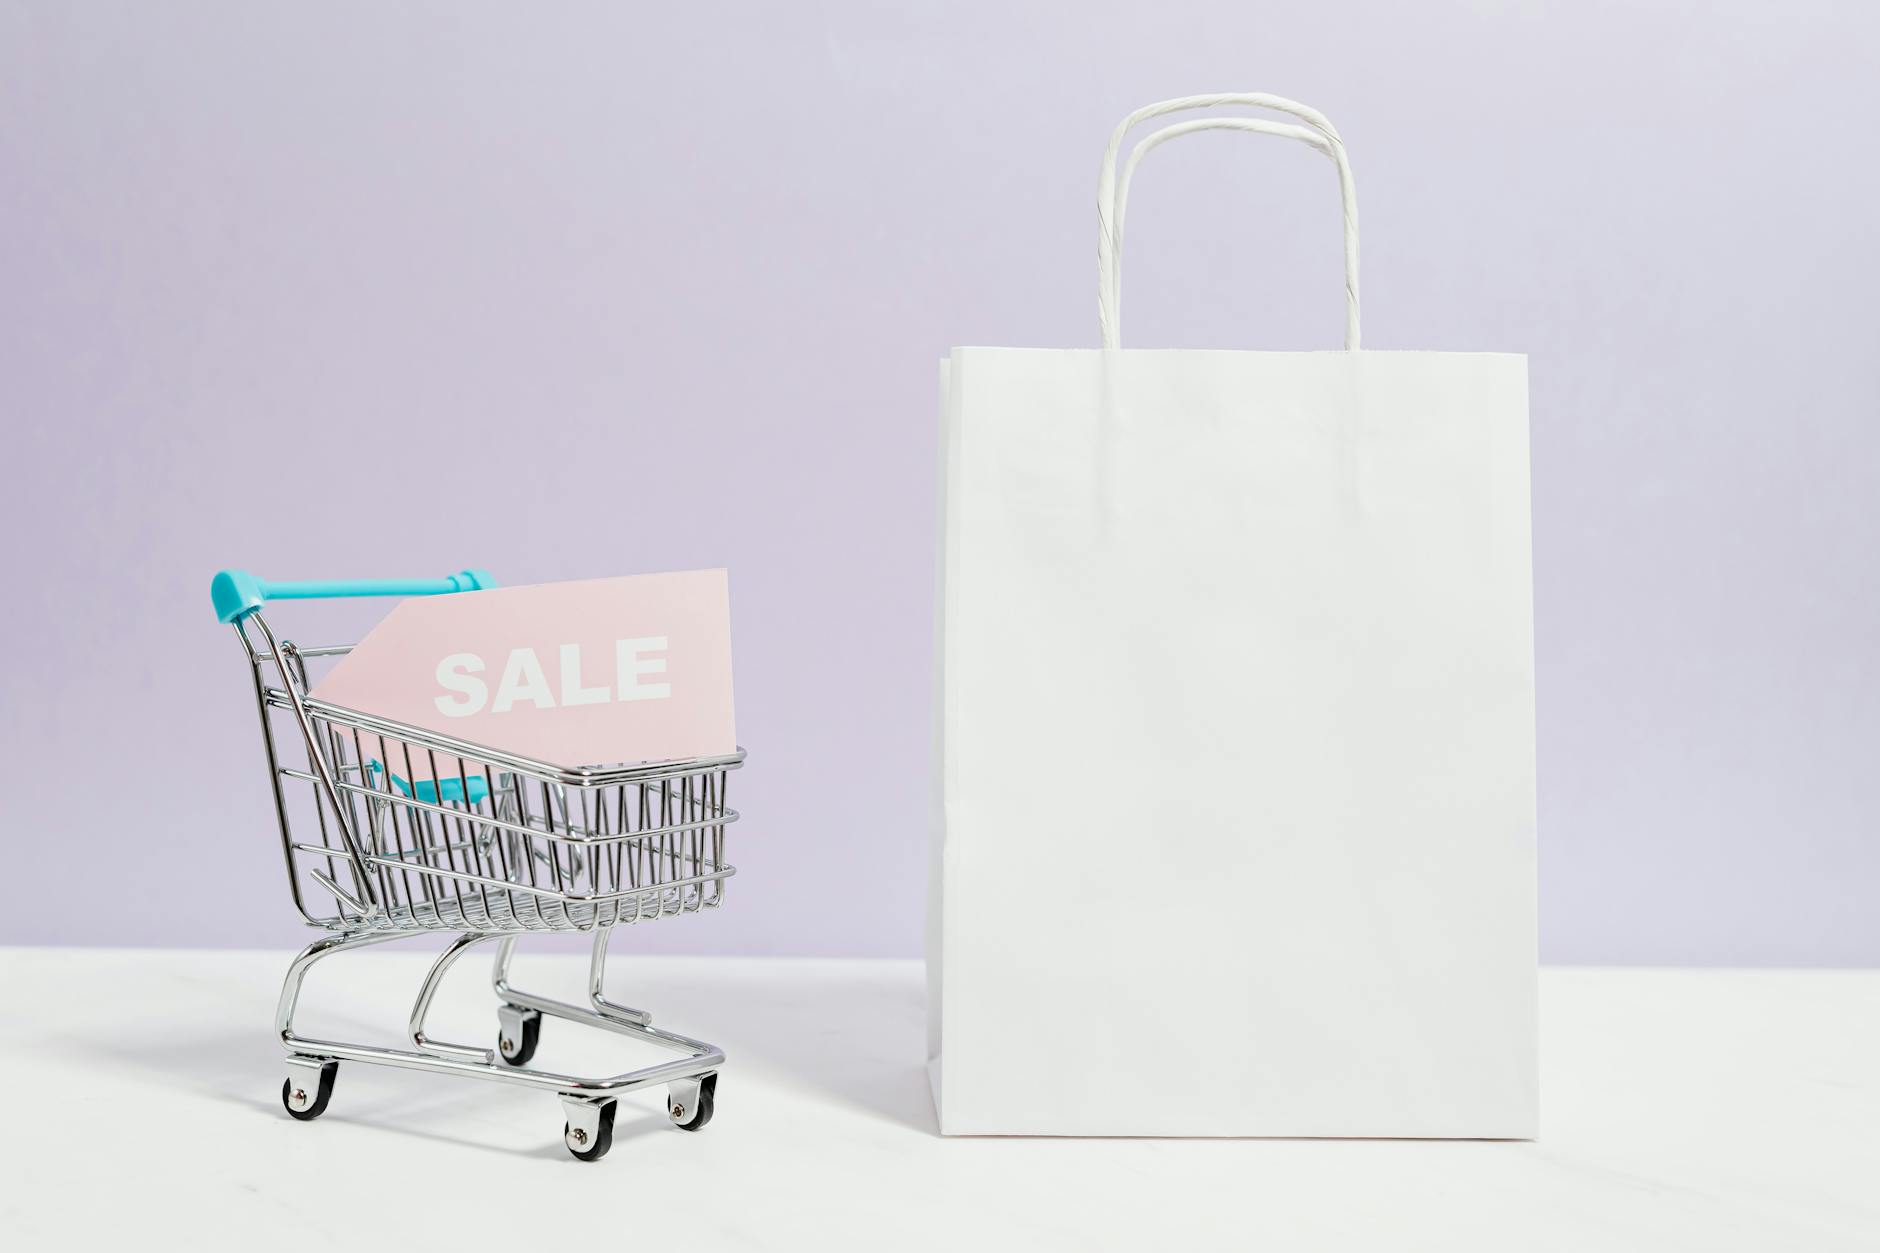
(415, 855)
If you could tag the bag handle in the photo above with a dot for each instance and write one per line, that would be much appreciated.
(1313, 138)
(1113, 197)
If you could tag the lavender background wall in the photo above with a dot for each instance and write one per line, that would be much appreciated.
(576, 289)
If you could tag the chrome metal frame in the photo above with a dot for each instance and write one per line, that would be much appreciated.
(421, 833)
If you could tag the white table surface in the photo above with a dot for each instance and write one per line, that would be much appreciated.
(1701, 1110)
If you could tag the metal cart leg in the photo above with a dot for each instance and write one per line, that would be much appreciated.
(297, 974)
(691, 1085)
(310, 1074)
(426, 991)
(597, 971)
(588, 1102)
(597, 974)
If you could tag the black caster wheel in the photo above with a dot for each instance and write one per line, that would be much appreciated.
(695, 1119)
(591, 1147)
(305, 1105)
(518, 1035)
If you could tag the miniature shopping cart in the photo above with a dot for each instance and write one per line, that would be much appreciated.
(391, 831)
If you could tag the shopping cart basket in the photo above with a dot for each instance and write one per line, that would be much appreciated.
(392, 831)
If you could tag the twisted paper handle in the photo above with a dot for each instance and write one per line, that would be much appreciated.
(1113, 196)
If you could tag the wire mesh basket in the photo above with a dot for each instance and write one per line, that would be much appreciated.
(454, 837)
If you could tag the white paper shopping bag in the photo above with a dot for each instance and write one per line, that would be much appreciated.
(1235, 731)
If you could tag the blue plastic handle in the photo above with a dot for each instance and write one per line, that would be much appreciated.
(237, 593)
(427, 791)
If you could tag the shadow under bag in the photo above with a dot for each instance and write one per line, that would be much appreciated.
(1234, 797)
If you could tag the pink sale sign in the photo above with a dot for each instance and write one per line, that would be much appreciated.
(591, 673)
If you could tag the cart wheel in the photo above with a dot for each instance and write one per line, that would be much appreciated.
(591, 1148)
(695, 1119)
(518, 1035)
(304, 1105)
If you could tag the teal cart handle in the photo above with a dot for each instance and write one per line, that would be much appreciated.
(237, 593)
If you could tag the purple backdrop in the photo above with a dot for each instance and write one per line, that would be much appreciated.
(578, 289)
